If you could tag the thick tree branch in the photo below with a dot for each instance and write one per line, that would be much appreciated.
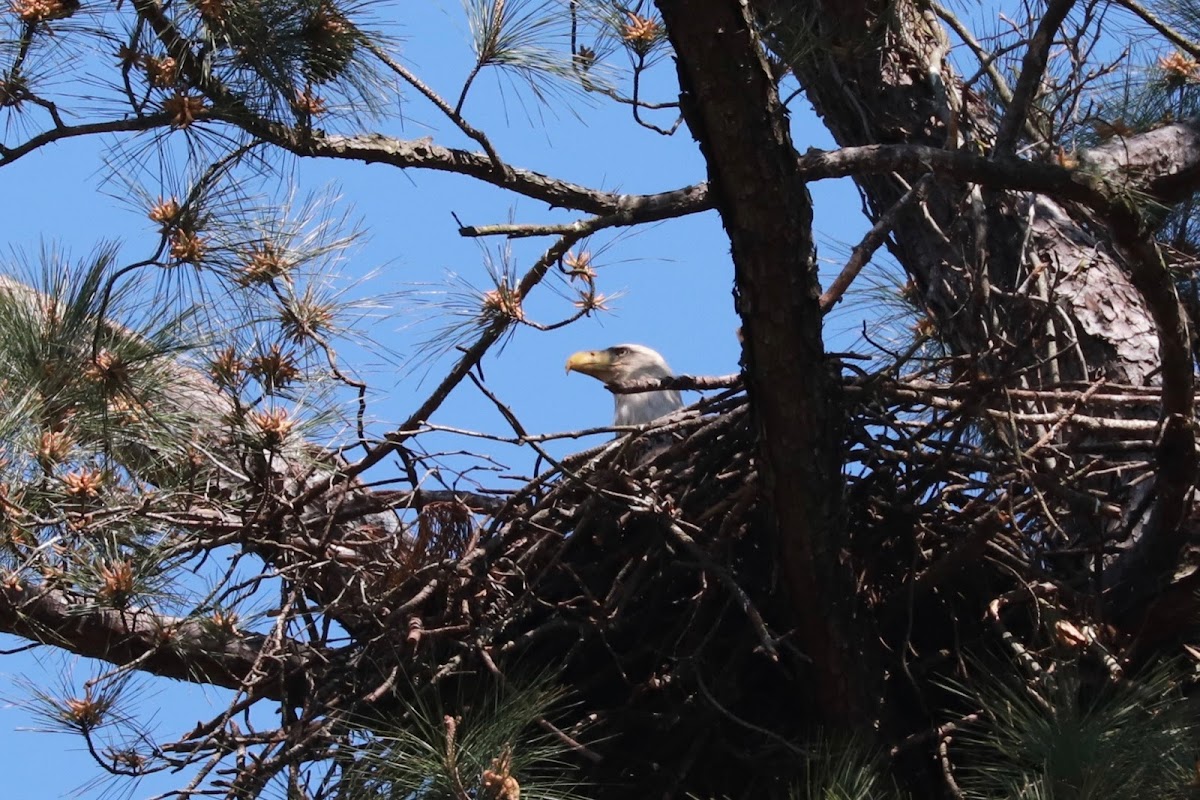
(380, 149)
(1150, 564)
(1163, 164)
(185, 649)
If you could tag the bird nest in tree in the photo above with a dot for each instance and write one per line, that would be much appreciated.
(643, 576)
(641, 573)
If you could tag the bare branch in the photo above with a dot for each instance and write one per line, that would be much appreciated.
(1033, 67)
(171, 647)
(10, 154)
(380, 149)
(699, 383)
(874, 238)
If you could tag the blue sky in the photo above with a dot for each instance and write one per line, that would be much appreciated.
(675, 281)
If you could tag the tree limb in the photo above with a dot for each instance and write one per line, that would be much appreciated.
(172, 647)
(1033, 68)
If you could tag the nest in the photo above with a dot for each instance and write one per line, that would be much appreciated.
(979, 518)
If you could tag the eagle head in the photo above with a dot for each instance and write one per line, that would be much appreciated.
(625, 363)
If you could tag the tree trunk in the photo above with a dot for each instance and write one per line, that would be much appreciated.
(733, 110)
(1034, 290)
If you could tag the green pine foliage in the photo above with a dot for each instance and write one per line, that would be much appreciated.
(1068, 735)
(491, 741)
(839, 769)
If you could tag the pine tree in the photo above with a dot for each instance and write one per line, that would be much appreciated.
(959, 567)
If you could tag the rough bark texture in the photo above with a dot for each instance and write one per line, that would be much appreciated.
(186, 649)
(879, 75)
(732, 108)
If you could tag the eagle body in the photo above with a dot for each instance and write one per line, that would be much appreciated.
(628, 363)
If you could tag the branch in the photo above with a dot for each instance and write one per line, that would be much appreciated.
(172, 647)
(1151, 562)
(733, 109)
(697, 383)
(915, 159)
(57, 134)
(871, 242)
(1166, 31)
(987, 61)
(1163, 164)
(375, 148)
(1033, 68)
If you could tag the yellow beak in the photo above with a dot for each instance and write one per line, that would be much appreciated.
(597, 363)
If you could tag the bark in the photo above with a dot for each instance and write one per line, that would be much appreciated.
(957, 248)
(171, 647)
(877, 73)
(732, 108)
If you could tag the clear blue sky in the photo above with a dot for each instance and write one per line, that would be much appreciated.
(675, 277)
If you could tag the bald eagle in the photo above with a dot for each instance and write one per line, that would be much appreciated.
(626, 363)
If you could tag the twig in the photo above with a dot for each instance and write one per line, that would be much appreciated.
(1033, 67)
(948, 768)
(1166, 31)
(756, 621)
(874, 238)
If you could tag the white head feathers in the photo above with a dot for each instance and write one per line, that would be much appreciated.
(626, 363)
